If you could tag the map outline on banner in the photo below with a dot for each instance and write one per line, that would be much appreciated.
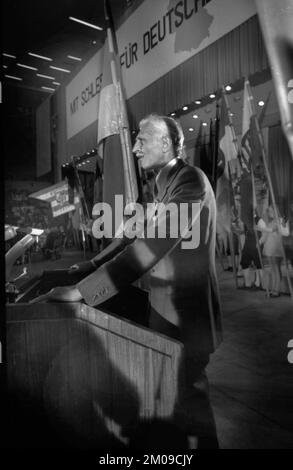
(142, 63)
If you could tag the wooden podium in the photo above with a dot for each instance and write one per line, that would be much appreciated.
(81, 377)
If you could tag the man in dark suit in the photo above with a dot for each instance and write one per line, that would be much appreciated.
(184, 294)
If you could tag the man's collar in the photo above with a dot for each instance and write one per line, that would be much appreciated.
(164, 177)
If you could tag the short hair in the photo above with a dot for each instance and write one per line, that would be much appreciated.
(174, 130)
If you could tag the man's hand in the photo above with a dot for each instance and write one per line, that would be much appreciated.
(60, 294)
(84, 267)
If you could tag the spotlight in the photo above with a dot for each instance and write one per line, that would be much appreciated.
(197, 102)
(212, 95)
(261, 103)
(191, 129)
(173, 114)
(204, 124)
(185, 108)
(195, 116)
(228, 88)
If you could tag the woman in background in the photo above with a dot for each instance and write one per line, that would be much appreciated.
(272, 246)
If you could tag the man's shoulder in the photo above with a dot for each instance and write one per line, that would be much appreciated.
(190, 184)
(191, 174)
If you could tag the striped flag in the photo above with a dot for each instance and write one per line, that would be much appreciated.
(252, 152)
(57, 196)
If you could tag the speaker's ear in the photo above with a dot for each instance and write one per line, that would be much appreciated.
(166, 143)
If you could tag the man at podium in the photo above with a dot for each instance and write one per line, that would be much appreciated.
(184, 296)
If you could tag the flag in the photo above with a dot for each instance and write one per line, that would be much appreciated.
(197, 147)
(276, 20)
(254, 195)
(226, 153)
(215, 149)
(205, 153)
(113, 130)
(57, 196)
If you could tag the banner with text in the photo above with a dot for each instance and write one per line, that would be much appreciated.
(157, 37)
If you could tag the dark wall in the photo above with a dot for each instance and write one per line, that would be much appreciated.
(19, 131)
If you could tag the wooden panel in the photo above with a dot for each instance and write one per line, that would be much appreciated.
(84, 378)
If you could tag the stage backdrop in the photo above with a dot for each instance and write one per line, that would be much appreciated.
(156, 38)
(43, 138)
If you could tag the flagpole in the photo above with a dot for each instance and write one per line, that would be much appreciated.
(236, 145)
(231, 238)
(130, 185)
(272, 194)
(255, 229)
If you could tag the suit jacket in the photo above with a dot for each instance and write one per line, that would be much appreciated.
(183, 282)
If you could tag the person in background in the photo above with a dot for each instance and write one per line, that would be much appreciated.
(271, 240)
(250, 257)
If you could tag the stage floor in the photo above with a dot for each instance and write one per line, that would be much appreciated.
(250, 375)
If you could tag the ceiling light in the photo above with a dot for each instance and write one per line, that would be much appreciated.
(94, 42)
(74, 58)
(198, 102)
(56, 83)
(9, 55)
(195, 116)
(48, 88)
(14, 78)
(231, 114)
(261, 103)
(45, 76)
(5, 66)
(90, 25)
(61, 70)
(39, 56)
(191, 129)
(212, 95)
(173, 114)
(228, 88)
(185, 108)
(204, 124)
(27, 67)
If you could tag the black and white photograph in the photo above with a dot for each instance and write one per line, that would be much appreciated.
(147, 310)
